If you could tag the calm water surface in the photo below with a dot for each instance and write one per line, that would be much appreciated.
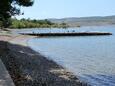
(92, 58)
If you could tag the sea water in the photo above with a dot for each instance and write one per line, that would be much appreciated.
(91, 58)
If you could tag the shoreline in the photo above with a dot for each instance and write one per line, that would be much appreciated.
(29, 68)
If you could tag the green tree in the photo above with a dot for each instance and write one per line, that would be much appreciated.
(10, 8)
(63, 25)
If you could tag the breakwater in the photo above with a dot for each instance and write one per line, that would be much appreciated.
(69, 34)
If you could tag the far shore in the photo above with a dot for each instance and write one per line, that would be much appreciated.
(30, 68)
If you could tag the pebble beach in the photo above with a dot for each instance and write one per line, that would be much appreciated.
(30, 68)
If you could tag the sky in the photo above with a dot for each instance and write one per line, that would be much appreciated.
(43, 9)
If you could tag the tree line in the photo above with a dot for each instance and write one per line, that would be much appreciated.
(28, 23)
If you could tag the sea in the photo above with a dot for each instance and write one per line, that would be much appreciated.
(91, 58)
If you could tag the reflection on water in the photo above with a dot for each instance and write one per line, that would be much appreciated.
(90, 57)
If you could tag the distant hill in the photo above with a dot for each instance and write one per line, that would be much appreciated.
(86, 21)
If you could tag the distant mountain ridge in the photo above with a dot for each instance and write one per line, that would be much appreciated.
(86, 21)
